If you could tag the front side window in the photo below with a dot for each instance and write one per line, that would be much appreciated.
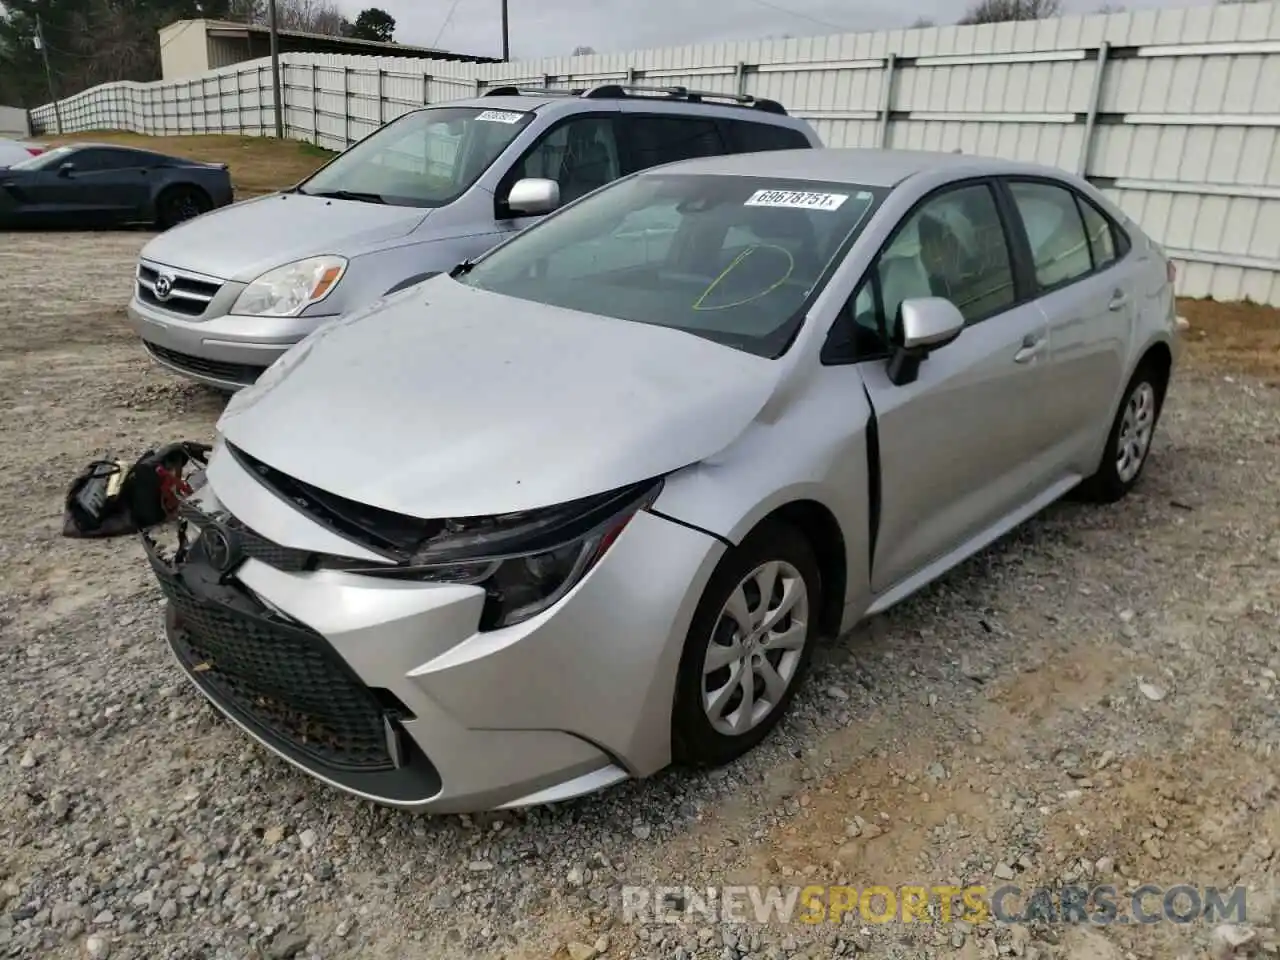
(427, 158)
(952, 246)
(49, 160)
(580, 155)
(732, 259)
(1059, 247)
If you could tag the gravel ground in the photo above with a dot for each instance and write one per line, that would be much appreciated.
(1092, 699)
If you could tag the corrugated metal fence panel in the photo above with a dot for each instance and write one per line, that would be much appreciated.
(1174, 113)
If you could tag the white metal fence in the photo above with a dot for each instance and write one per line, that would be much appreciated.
(1174, 113)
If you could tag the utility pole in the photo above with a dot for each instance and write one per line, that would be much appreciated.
(48, 73)
(276, 98)
(506, 40)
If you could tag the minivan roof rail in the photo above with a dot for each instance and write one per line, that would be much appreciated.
(613, 91)
(618, 91)
(514, 91)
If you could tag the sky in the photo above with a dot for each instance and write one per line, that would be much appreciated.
(550, 28)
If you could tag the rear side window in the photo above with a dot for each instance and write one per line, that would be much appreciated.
(656, 140)
(756, 137)
(1055, 230)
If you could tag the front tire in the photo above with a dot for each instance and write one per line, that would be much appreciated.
(1129, 442)
(748, 648)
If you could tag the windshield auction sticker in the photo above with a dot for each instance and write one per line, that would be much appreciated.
(796, 199)
(500, 116)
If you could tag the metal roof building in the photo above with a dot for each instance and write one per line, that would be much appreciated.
(189, 48)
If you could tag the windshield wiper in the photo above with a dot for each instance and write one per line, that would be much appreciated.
(464, 267)
(347, 195)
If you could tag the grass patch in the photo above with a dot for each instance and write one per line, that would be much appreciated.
(258, 164)
(1237, 336)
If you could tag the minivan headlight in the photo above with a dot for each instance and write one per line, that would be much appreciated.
(288, 290)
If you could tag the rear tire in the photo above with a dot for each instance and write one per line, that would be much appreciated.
(1129, 442)
(178, 204)
(748, 648)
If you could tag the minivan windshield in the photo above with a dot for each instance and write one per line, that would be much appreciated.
(424, 159)
(732, 259)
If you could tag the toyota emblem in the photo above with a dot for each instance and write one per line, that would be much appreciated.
(220, 549)
(163, 286)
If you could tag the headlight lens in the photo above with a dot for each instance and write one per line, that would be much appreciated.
(287, 291)
(519, 584)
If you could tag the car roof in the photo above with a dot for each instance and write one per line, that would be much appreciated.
(860, 166)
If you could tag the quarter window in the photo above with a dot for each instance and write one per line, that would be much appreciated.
(1101, 239)
(1055, 231)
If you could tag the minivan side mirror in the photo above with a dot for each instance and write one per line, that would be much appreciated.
(924, 324)
(533, 196)
(66, 169)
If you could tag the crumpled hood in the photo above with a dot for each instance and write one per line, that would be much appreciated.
(447, 401)
(244, 240)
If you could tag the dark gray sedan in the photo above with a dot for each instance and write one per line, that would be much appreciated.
(96, 185)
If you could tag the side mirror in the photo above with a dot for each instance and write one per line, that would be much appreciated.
(66, 169)
(533, 196)
(924, 324)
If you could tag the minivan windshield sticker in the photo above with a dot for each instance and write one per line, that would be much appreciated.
(798, 199)
(500, 116)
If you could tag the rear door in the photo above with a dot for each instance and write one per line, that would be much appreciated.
(955, 444)
(1088, 294)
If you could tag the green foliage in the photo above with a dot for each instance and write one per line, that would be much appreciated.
(374, 24)
(88, 41)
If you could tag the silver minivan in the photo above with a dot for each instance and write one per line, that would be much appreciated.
(220, 297)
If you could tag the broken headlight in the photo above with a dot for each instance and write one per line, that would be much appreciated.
(525, 562)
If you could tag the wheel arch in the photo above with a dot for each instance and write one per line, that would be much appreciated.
(821, 528)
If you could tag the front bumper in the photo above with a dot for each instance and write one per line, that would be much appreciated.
(386, 689)
(227, 352)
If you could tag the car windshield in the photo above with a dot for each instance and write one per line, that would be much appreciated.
(44, 161)
(424, 159)
(732, 259)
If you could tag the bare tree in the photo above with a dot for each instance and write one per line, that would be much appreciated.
(307, 16)
(1111, 8)
(1000, 11)
(920, 23)
(582, 51)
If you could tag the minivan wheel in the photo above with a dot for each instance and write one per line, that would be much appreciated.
(748, 647)
(1129, 442)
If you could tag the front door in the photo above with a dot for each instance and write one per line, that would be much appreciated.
(954, 444)
(580, 154)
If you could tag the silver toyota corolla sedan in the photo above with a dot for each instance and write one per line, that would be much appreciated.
(584, 506)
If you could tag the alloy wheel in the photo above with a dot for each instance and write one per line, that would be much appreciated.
(756, 647)
(1136, 427)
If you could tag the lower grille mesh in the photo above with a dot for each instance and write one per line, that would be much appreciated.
(278, 678)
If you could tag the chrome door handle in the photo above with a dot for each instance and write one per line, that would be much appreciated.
(1118, 300)
(1031, 348)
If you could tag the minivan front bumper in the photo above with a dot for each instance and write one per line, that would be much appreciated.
(227, 352)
